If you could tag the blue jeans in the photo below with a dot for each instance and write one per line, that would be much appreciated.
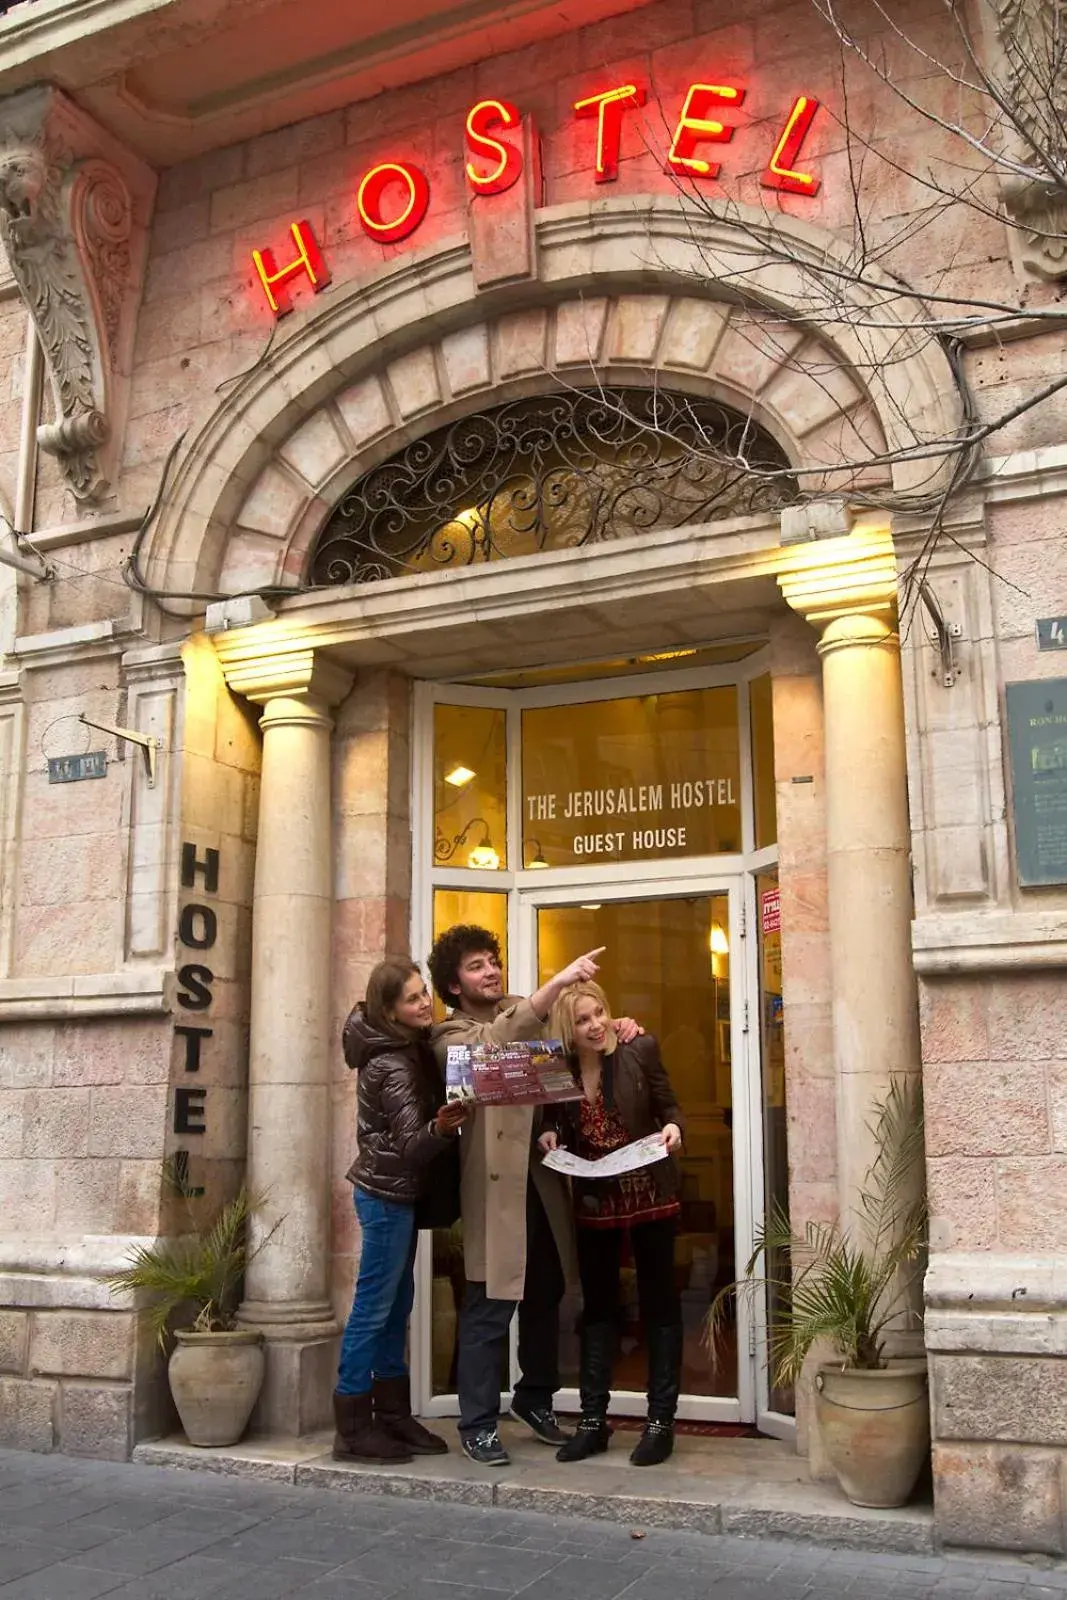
(373, 1345)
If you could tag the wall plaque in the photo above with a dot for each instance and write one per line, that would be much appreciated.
(1037, 730)
(1052, 633)
(73, 769)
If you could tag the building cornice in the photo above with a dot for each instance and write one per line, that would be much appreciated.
(989, 941)
(139, 992)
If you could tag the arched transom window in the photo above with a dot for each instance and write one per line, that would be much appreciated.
(551, 473)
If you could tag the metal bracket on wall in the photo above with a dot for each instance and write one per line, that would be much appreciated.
(947, 635)
(148, 742)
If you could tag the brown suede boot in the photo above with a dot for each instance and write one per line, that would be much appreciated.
(358, 1436)
(392, 1412)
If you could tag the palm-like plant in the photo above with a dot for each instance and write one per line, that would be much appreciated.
(204, 1269)
(826, 1284)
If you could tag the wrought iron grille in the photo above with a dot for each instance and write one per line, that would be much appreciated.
(550, 473)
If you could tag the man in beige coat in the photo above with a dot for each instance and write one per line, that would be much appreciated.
(518, 1236)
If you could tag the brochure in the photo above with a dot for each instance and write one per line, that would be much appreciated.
(642, 1153)
(527, 1073)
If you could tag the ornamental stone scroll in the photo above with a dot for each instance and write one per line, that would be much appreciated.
(74, 212)
(1029, 47)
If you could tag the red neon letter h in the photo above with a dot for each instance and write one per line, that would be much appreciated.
(276, 280)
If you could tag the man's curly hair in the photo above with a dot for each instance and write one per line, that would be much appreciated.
(449, 949)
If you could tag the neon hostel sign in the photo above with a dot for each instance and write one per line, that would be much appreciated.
(392, 198)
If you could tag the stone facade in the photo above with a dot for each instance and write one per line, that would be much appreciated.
(152, 987)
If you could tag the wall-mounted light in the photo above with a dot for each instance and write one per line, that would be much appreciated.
(538, 861)
(459, 776)
(718, 943)
(483, 858)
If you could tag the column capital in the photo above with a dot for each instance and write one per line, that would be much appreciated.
(833, 579)
(291, 672)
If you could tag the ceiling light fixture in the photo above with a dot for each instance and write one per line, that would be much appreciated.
(459, 776)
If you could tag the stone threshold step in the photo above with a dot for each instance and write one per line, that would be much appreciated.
(742, 1503)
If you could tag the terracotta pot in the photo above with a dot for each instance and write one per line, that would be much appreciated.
(875, 1429)
(215, 1379)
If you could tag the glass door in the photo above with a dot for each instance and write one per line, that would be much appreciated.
(672, 961)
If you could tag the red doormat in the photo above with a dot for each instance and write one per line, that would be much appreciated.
(693, 1430)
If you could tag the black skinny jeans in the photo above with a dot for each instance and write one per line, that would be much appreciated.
(600, 1261)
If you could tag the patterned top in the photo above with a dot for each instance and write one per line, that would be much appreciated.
(613, 1202)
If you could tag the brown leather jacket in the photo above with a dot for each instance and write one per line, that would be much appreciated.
(635, 1082)
(400, 1090)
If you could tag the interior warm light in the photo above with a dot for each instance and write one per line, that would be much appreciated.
(538, 856)
(483, 858)
(592, 906)
(718, 943)
(459, 776)
(666, 655)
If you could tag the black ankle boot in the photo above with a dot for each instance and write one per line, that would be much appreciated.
(654, 1445)
(664, 1382)
(590, 1440)
(594, 1381)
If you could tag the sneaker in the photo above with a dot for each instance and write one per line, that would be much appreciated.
(541, 1420)
(485, 1448)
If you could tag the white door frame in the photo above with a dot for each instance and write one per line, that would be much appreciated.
(527, 889)
(745, 1135)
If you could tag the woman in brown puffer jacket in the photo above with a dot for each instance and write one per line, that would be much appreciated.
(404, 1125)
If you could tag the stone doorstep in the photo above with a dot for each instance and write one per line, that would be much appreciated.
(757, 1488)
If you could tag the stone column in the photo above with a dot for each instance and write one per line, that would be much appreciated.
(287, 1286)
(846, 588)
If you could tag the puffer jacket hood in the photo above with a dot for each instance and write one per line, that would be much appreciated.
(361, 1042)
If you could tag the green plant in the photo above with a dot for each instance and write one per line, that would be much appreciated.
(826, 1284)
(203, 1268)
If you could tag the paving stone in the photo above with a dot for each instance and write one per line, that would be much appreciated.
(582, 1578)
(18, 1559)
(138, 1553)
(487, 1567)
(206, 1578)
(179, 1535)
(61, 1581)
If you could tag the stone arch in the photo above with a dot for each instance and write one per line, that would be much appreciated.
(628, 291)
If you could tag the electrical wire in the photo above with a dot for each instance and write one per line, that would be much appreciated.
(134, 577)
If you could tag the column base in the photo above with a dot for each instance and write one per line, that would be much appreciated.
(297, 1392)
(301, 1344)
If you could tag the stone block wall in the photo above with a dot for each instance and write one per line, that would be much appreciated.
(80, 1381)
(204, 319)
(372, 905)
(97, 1086)
(993, 1006)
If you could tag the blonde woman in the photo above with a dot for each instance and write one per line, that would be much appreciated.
(627, 1095)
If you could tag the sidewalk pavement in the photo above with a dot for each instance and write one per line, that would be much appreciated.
(75, 1530)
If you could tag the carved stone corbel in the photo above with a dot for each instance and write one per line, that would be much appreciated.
(1030, 46)
(75, 206)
